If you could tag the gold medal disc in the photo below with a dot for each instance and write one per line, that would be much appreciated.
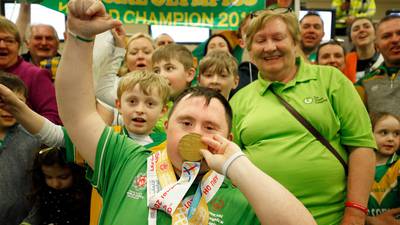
(189, 147)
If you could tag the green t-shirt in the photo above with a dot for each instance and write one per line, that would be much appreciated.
(283, 148)
(385, 193)
(120, 177)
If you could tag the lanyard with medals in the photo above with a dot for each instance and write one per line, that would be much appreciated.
(165, 193)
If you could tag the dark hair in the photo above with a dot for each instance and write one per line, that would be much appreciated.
(312, 13)
(387, 18)
(208, 94)
(51, 157)
(217, 35)
(330, 42)
(14, 83)
(378, 116)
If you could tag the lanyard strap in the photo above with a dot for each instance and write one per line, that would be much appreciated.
(312, 130)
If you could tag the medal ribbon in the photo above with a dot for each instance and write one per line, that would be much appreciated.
(165, 193)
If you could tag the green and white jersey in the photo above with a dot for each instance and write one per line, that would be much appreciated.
(284, 149)
(120, 177)
(385, 193)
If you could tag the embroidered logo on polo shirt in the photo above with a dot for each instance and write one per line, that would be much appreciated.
(308, 100)
(137, 187)
(217, 204)
(315, 99)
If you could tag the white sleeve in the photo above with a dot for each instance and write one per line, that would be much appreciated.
(51, 134)
(107, 83)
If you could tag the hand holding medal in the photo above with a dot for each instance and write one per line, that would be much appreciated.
(218, 151)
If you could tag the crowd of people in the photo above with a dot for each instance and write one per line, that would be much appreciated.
(299, 131)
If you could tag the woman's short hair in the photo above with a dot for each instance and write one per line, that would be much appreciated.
(258, 22)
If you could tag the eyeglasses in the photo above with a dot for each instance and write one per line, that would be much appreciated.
(8, 41)
(273, 11)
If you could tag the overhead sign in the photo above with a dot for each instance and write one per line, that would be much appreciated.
(215, 14)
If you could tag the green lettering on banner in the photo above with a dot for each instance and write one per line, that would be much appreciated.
(216, 14)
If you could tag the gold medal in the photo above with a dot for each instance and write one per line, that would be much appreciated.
(189, 147)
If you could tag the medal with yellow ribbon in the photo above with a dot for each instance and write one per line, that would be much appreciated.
(165, 193)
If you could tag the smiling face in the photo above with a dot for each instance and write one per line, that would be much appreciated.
(139, 53)
(332, 55)
(178, 78)
(362, 33)
(387, 135)
(312, 32)
(193, 115)
(388, 42)
(273, 49)
(43, 42)
(8, 50)
(140, 111)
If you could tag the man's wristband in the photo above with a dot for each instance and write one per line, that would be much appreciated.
(79, 37)
(356, 206)
(229, 162)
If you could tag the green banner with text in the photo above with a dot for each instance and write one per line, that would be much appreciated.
(216, 14)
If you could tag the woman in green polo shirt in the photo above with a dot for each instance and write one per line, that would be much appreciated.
(282, 147)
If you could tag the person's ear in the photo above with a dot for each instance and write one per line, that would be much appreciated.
(230, 137)
(118, 105)
(242, 43)
(164, 110)
(236, 80)
(190, 74)
(166, 125)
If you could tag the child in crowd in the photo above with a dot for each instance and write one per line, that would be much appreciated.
(17, 150)
(384, 200)
(142, 101)
(60, 190)
(218, 70)
(174, 62)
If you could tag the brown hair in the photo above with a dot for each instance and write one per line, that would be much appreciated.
(378, 116)
(208, 94)
(217, 62)
(7, 26)
(14, 83)
(259, 21)
(173, 51)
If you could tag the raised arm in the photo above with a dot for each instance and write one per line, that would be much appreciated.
(48, 133)
(24, 18)
(259, 188)
(74, 83)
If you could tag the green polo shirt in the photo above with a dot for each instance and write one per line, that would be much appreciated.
(284, 149)
(120, 177)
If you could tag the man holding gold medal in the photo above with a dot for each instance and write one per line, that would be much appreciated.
(172, 186)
